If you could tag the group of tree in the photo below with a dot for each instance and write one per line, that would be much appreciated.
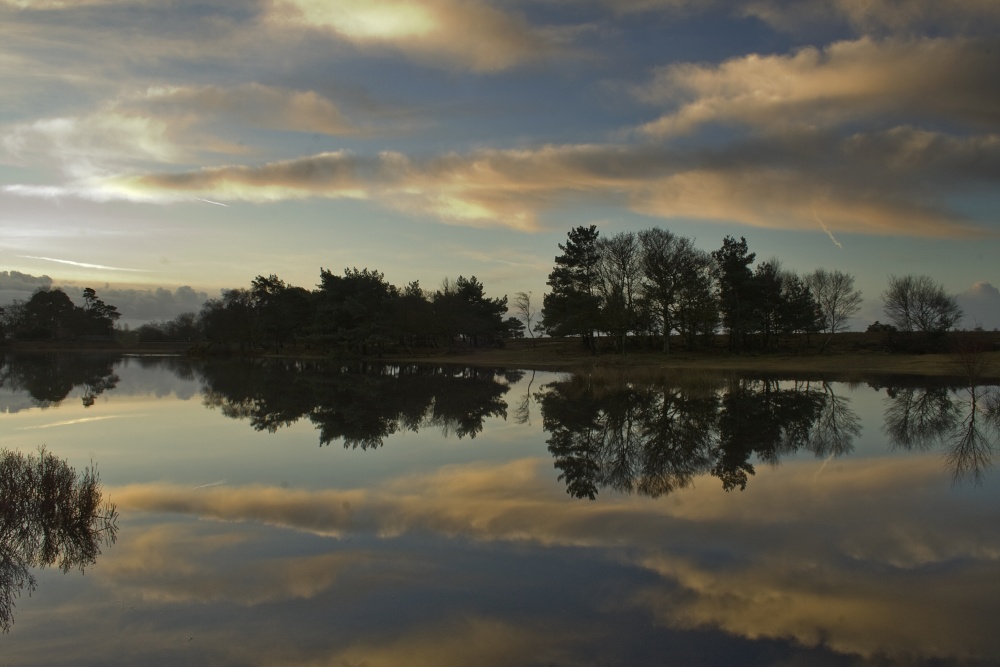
(650, 286)
(358, 312)
(50, 314)
(654, 284)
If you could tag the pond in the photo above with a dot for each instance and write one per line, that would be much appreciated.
(278, 512)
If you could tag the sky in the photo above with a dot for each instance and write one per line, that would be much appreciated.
(162, 150)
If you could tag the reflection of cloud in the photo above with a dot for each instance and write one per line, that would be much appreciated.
(467, 641)
(821, 567)
(845, 81)
(853, 610)
(179, 564)
(466, 34)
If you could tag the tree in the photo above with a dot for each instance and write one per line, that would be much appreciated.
(100, 317)
(799, 311)
(525, 311)
(49, 314)
(767, 300)
(917, 303)
(573, 307)
(662, 268)
(732, 265)
(619, 273)
(837, 299)
(677, 284)
(281, 309)
(354, 309)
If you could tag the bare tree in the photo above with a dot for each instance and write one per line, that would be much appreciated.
(837, 299)
(619, 273)
(917, 303)
(524, 310)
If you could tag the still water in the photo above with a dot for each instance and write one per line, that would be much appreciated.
(296, 513)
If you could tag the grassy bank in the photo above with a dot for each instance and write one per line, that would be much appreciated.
(848, 356)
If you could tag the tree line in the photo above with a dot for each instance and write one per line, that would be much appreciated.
(635, 289)
(357, 312)
(649, 287)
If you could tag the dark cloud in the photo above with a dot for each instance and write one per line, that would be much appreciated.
(17, 285)
(161, 304)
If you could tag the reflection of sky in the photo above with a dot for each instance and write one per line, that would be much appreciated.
(238, 547)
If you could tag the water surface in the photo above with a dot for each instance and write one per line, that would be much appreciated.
(297, 513)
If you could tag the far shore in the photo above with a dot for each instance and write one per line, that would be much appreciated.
(848, 358)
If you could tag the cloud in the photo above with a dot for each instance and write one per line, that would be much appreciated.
(942, 79)
(454, 34)
(136, 305)
(981, 306)
(15, 281)
(964, 16)
(169, 125)
(252, 104)
(894, 182)
(160, 304)
(869, 16)
(788, 199)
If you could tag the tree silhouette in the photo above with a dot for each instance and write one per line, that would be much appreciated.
(49, 515)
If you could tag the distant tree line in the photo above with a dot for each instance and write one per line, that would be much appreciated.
(635, 289)
(645, 288)
(357, 312)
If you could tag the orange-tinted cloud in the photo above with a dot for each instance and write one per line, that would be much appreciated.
(472, 35)
(942, 79)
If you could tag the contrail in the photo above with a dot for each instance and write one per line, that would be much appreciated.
(205, 486)
(825, 229)
(84, 265)
(209, 201)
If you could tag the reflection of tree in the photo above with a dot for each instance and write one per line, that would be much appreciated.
(762, 418)
(836, 426)
(654, 438)
(964, 421)
(358, 403)
(918, 417)
(49, 378)
(49, 515)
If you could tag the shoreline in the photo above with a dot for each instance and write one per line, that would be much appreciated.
(567, 356)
